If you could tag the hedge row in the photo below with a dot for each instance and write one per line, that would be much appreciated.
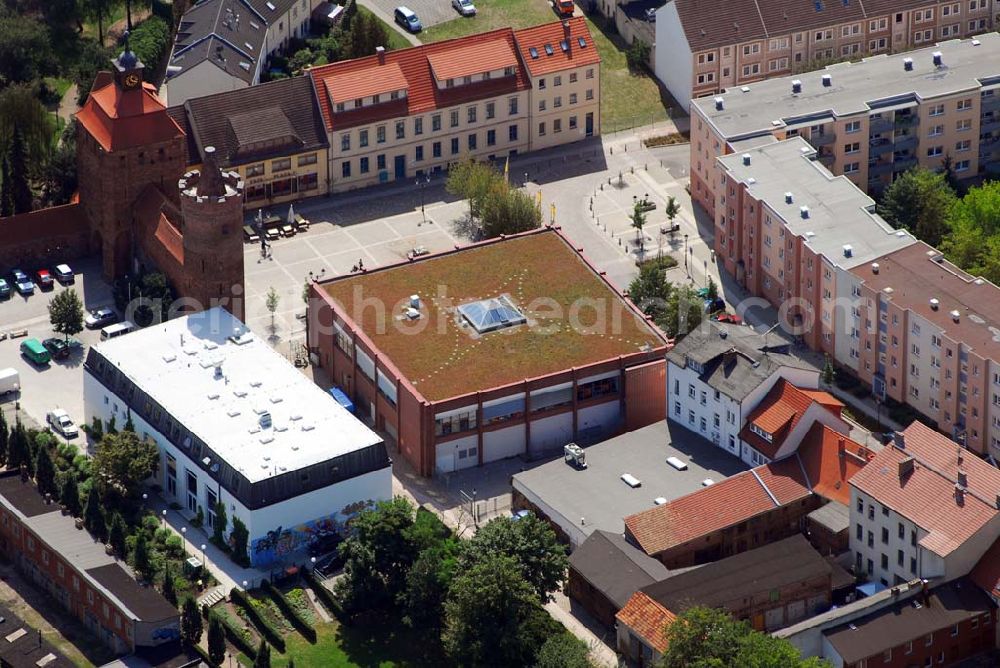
(233, 634)
(303, 627)
(325, 596)
(150, 40)
(268, 632)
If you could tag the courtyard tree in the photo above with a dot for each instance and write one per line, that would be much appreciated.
(650, 290)
(69, 494)
(45, 472)
(122, 461)
(920, 201)
(191, 627)
(66, 313)
(672, 209)
(974, 240)
(271, 302)
(529, 542)
(508, 210)
(684, 311)
(140, 556)
(563, 650)
(263, 659)
(219, 526)
(20, 187)
(18, 452)
(638, 218)
(93, 515)
(473, 181)
(427, 584)
(828, 374)
(169, 592)
(116, 535)
(216, 640)
(4, 438)
(239, 538)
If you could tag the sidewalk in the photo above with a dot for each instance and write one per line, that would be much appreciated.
(226, 571)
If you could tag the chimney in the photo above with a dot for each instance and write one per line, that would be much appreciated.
(938, 58)
(905, 467)
(841, 447)
(924, 593)
(827, 80)
(380, 52)
(804, 211)
(908, 64)
(874, 267)
(959, 455)
(955, 315)
(796, 87)
(935, 303)
(566, 31)
(789, 198)
(959, 495)
(963, 478)
(719, 104)
(746, 159)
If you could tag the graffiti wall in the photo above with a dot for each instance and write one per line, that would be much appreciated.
(283, 544)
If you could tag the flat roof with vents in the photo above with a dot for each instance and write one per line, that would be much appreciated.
(494, 284)
(175, 364)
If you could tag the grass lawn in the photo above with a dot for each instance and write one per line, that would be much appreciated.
(627, 99)
(396, 41)
(58, 84)
(386, 644)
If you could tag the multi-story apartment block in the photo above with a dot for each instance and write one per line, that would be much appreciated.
(717, 375)
(226, 44)
(870, 120)
(415, 111)
(923, 509)
(704, 47)
(892, 310)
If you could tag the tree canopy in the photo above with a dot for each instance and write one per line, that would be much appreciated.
(66, 313)
(495, 207)
(920, 201)
(123, 460)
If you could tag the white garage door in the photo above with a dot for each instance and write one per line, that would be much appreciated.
(459, 454)
(551, 434)
(503, 443)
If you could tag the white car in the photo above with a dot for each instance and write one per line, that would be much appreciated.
(59, 420)
(464, 7)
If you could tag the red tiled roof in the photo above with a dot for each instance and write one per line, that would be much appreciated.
(731, 501)
(423, 95)
(472, 59)
(986, 573)
(374, 80)
(830, 460)
(120, 119)
(780, 411)
(927, 496)
(51, 222)
(647, 619)
(158, 235)
(552, 34)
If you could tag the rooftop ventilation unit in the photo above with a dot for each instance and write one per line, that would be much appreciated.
(804, 211)
(908, 64)
(746, 159)
(719, 104)
(796, 87)
(265, 420)
(827, 80)
(659, 501)
(976, 42)
(935, 302)
(788, 198)
(745, 89)
(955, 315)
(938, 59)
(848, 250)
(574, 455)
(631, 480)
(874, 267)
(677, 463)
(412, 314)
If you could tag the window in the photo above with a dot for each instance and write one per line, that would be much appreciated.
(885, 561)
(934, 151)
(936, 110)
(345, 141)
(255, 170)
(852, 167)
(964, 125)
(572, 122)
(454, 145)
(936, 131)
(380, 161)
(380, 134)
(885, 536)
(345, 169)
(435, 122)
(557, 81)
(899, 557)
(853, 126)
(929, 640)
(751, 49)
(541, 129)
(472, 141)
(590, 73)
(512, 106)
(418, 154)
(572, 98)
(962, 166)
(400, 129)
(557, 101)
(418, 125)
(454, 118)
(471, 114)
(589, 95)
(512, 133)
(572, 77)
(364, 165)
(491, 137)
(436, 149)
(751, 70)
(852, 147)
(557, 125)
(541, 105)
(491, 109)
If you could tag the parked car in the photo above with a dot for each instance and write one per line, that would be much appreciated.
(464, 7)
(564, 7)
(35, 351)
(59, 420)
(730, 318)
(100, 317)
(22, 283)
(4, 289)
(407, 18)
(10, 382)
(64, 274)
(43, 279)
(57, 348)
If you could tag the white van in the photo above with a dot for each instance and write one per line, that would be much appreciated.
(10, 381)
(118, 329)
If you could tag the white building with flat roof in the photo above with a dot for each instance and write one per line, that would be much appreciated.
(236, 423)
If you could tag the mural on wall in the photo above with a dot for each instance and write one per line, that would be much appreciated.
(281, 543)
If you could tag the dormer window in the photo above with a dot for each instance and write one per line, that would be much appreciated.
(449, 83)
(509, 71)
(760, 432)
(466, 80)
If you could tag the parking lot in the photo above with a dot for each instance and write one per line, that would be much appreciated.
(430, 12)
(60, 384)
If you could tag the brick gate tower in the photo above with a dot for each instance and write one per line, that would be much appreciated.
(126, 142)
(212, 211)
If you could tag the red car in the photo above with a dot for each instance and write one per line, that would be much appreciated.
(730, 318)
(44, 279)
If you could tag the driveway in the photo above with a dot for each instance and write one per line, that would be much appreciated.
(430, 12)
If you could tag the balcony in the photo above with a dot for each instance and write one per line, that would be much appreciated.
(877, 147)
(990, 103)
(827, 159)
(906, 120)
(903, 163)
(904, 142)
(989, 122)
(818, 139)
(878, 169)
(878, 125)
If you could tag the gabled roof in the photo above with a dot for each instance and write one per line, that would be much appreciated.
(648, 619)
(928, 494)
(779, 412)
(472, 59)
(375, 80)
(830, 459)
(120, 119)
(255, 123)
(50, 222)
(423, 94)
(724, 504)
(614, 566)
(576, 54)
(229, 34)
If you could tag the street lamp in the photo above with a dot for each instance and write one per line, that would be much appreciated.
(245, 585)
(203, 555)
(163, 518)
(184, 531)
(312, 560)
(686, 254)
(422, 181)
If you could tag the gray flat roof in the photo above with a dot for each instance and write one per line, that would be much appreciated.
(839, 213)
(855, 87)
(597, 493)
(835, 516)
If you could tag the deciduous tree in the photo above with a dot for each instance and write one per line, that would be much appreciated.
(684, 311)
(920, 201)
(66, 313)
(122, 461)
(563, 650)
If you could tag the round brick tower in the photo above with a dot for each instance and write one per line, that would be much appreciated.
(212, 207)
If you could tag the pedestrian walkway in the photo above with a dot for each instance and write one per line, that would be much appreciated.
(600, 652)
(197, 544)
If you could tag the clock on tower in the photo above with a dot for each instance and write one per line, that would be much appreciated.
(128, 68)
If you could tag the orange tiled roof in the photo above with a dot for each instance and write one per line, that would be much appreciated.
(830, 459)
(423, 95)
(472, 59)
(552, 34)
(648, 619)
(374, 80)
(780, 411)
(731, 501)
(927, 496)
(986, 573)
(120, 119)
